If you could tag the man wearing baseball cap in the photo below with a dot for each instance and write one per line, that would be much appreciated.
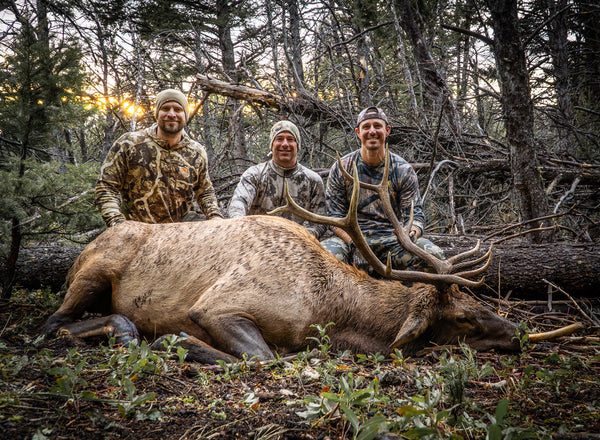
(261, 187)
(155, 175)
(372, 129)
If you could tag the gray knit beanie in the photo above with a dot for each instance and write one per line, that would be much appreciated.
(284, 126)
(171, 95)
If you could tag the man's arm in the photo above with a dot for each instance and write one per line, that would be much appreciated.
(316, 204)
(205, 192)
(244, 195)
(407, 194)
(207, 200)
(109, 185)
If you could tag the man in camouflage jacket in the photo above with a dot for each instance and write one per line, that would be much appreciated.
(261, 187)
(372, 130)
(155, 175)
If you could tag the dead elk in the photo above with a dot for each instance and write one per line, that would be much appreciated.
(257, 284)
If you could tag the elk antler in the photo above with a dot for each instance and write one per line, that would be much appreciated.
(450, 271)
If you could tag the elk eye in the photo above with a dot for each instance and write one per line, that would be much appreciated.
(462, 319)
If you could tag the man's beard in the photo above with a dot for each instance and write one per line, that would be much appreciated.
(171, 127)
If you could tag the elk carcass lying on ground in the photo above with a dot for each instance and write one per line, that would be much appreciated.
(257, 284)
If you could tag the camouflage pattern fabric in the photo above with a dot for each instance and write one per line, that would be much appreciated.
(144, 179)
(378, 230)
(261, 189)
(381, 243)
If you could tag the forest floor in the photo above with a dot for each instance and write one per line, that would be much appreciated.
(68, 389)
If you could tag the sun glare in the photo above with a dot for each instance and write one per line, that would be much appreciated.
(131, 109)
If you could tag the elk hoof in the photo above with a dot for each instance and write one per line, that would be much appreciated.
(123, 330)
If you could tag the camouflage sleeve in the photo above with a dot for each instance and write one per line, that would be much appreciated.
(108, 188)
(207, 200)
(335, 196)
(317, 205)
(406, 192)
(205, 192)
(244, 194)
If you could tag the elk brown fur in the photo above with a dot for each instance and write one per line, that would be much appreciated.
(256, 285)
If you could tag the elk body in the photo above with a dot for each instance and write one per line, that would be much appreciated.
(257, 284)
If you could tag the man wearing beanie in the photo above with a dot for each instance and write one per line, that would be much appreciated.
(261, 187)
(372, 129)
(156, 174)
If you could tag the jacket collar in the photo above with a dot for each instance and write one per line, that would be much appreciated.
(151, 132)
(284, 172)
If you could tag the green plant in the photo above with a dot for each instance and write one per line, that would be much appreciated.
(375, 358)
(133, 402)
(170, 342)
(354, 402)
(458, 371)
(322, 340)
(69, 382)
(499, 429)
(231, 370)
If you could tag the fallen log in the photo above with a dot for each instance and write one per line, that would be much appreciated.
(519, 269)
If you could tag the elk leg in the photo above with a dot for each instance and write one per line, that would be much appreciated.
(198, 350)
(117, 326)
(86, 293)
(234, 333)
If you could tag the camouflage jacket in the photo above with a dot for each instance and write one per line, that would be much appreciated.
(261, 189)
(143, 179)
(403, 186)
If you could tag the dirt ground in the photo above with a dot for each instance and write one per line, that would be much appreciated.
(65, 389)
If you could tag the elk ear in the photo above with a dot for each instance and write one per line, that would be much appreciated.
(412, 328)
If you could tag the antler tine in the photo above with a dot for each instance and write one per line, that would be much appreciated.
(464, 255)
(292, 207)
(467, 264)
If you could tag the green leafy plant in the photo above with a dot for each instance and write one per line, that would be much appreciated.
(354, 402)
(134, 401)
(322, 341)
(457, 371)
(499, 429)
(69, 380)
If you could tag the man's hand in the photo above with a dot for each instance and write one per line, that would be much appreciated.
(414, 233)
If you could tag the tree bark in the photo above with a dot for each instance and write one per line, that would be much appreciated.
(518, 112)
(558, 38)
(518, 267)
(521, 267)
(436, 87)
(236, 142)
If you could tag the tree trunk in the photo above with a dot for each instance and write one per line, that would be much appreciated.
(435, 87)
(517, 267)
(236, 142)
(557, 36)
(518, 112)
(293, 45)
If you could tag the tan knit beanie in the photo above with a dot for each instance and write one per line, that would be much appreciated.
(171, 95)
(284, 126)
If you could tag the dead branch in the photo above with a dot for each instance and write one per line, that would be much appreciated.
(592, 320)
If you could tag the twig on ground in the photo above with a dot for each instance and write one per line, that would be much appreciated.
(594, 321)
